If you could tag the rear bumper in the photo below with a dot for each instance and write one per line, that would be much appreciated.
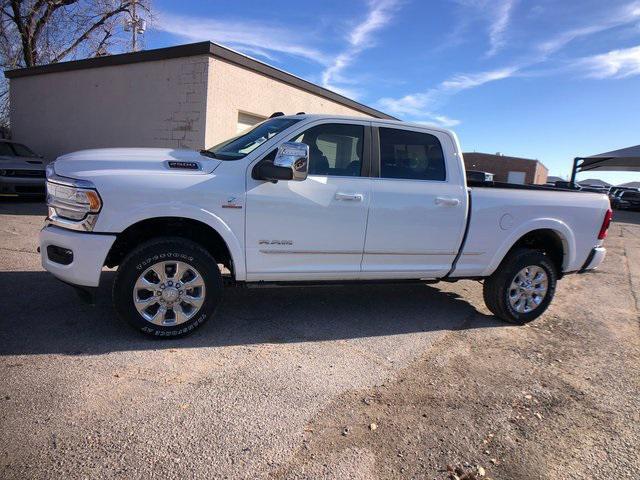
(595, 258)
(88, 252)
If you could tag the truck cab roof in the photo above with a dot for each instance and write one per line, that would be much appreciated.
(399, 123)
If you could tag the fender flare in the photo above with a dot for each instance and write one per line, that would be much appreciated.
(181, 210)
(558, 227)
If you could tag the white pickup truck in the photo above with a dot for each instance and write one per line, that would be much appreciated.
(307, 199)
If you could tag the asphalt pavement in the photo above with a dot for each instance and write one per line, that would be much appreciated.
(84, 396)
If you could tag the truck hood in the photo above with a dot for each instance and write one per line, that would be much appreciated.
(87, 164)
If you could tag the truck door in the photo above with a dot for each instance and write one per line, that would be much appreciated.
(419, 205)
(313, 229)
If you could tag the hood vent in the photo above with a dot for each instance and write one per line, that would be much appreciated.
(183, 165)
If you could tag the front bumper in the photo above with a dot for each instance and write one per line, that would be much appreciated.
(21, 186)
(595, 258)
(88, 253)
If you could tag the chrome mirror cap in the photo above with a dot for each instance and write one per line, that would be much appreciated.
(294, 156)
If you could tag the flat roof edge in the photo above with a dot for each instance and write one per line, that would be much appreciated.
(188, 50)
(193, 49)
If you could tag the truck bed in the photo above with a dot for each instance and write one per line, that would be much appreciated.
(501, 213)
(516, 186)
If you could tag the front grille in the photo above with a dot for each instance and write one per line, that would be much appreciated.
(29, 190)
(24, 173)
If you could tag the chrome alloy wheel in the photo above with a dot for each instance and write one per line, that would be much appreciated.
(528, 289)
(169, 293)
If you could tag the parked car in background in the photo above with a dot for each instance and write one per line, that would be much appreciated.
(627, 200)
(617, 191)
(479, 176)
(568, 185)
(22, 172)
(594, 188)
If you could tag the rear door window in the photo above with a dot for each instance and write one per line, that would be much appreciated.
(410, 155)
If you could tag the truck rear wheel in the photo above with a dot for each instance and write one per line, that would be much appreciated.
(167, 287)
(522, 287)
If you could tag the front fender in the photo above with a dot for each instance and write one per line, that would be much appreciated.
(557, 226)
(181, 210)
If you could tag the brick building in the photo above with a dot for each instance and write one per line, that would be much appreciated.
(507, 169)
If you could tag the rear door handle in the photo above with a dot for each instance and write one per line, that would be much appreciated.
(447, 201)
(350, 197)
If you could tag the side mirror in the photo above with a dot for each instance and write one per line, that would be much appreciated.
(294, 157)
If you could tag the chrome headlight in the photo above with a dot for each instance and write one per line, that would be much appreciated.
(72, 203)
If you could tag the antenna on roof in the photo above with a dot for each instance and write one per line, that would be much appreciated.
(300, 113)
(277, 114)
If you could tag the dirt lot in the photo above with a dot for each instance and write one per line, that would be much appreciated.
(327, 382)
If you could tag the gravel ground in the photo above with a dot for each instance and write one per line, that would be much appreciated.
(335, 382)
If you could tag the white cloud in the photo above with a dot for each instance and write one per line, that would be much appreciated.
(263, 40)
(255, 38)
(614, 64)
(378, 16)
(439, 120)
(499, 25)
(418, 107)
(628, 13)
(464, 82)
(494, 14)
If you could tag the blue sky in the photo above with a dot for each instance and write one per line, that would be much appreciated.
(550, 80)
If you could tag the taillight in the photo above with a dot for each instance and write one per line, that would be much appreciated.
(605, 225)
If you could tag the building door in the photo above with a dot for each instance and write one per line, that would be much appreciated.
(313, 229)
(516, 177)
(247, 120)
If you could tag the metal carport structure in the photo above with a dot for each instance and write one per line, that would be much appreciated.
(623, 160)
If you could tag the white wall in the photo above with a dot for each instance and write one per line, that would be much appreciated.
(146, 104)
(188, 102)
(234, 89)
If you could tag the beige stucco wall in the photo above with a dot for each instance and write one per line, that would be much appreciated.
(185, 102)
(146, 104)
(233, 89)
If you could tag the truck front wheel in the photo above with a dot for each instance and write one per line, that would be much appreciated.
(167, 287)
(522, 287)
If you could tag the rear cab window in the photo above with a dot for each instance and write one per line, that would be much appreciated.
(411, 155)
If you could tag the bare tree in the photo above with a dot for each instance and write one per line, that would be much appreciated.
(37, 32)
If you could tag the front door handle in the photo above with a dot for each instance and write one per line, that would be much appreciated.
(447, 201)
(350, 197)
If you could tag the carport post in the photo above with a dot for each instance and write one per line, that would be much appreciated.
(575, 170)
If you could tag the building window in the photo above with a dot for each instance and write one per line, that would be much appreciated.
(410, 155)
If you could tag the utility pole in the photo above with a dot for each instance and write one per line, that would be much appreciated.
(136, 25)
(134, 30)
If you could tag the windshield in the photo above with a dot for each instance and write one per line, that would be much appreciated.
(11, 149)
(23, 150)
(248, 141)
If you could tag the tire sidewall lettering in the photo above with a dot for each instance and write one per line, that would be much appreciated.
(142, 260)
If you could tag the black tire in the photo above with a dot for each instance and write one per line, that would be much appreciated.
(166, 249)
(496, 288)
